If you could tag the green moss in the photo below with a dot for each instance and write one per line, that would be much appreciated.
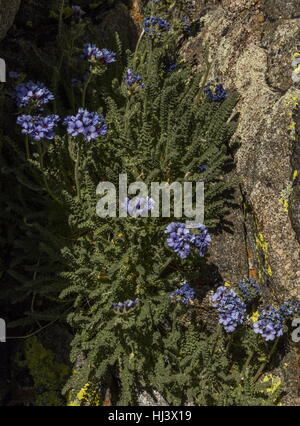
(48, 375)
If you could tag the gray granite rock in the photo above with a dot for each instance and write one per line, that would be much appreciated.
(251, 45)
(252, 54)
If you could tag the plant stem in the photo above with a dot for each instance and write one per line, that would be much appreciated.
(246, 365)
(127, 117)
(41, 160)
(85, 89)
(219, 330)
(27, 147)
(137, 48)
(150, 57)
(261, 368)
(228, 345)
(60, 21)
(76, 172)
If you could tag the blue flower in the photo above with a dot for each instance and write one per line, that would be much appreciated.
(184, 294)
(133, 80)
(181, 239)
(138, 206)
(92, 53)
(290, 308)
(153, 26)
(108, 56)
(202, 168)
(215, 93)
(75, 82)
(35, 94)
(201, 240)
(124, 307)
(88, 124)
(171, 67)
(269, 324)
(13, 74)
(38, 127)
(231, 308)
(78, 13)
(250, 289)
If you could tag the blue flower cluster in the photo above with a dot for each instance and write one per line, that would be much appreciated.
(92, 53)
(184, 294)
(250, 289)
(138, 206)
(181, 239)
(216, 92)
(269, 324)
(37, 126)
(133, 80)
(88, 124)
(31, 93)
(290, 308)
(125, 307)
(231, 308)
(154, 26)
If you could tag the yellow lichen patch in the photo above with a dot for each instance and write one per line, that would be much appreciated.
(297, 69)
(87, 395)
(292, 104)
(287, 192)
(274, 382)
(82, 394)
(254, 317)
(292, 126)
(285, 204)
(292, 101)
(263, 247)
(273, 386)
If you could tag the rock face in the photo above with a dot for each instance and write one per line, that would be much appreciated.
(8, 10)
(119, 20)
(251, 43)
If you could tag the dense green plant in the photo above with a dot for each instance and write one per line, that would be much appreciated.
(66, 262)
